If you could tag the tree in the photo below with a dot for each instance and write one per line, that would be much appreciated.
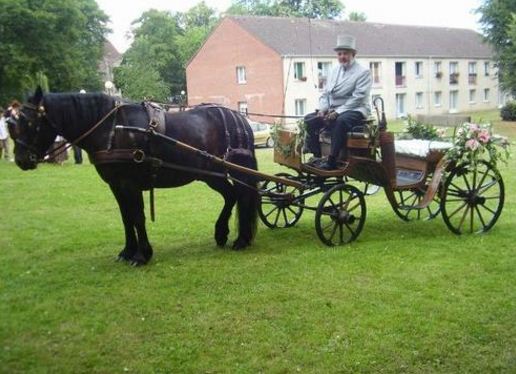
(61, 39)
(498, 19)
(321, 9)
(163, 44)
(357, 16)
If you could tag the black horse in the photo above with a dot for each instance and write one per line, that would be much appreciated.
(215, 130)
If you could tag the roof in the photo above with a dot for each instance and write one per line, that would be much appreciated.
(291, 37)
(111, 54)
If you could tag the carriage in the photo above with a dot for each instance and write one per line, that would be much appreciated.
(419, 182)
(137, 147)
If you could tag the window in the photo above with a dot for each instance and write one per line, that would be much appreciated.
(419, 100)
(323, 69)
(454, 72)
(454, 100)
(486, 68)
(300, 107)
(375, 71)
(242, 107)
(437, 98)
(299, 71)
(437, 70)
(486, 94)
(472, 73)
(419, 69)
(472, 96)
(241, 78)
(399, 69)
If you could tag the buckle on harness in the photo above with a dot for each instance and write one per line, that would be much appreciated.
(138, 156)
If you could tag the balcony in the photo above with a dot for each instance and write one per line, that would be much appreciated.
(400, 81)
(454, 78)
(472, 78)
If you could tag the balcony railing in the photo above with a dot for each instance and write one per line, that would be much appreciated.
(472, 78)
(454, 78)
(400, 81)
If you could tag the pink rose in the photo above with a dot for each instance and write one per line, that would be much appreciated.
(484, 136)
(472, 144)
(473, 127)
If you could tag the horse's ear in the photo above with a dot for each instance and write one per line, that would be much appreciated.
(38, 95)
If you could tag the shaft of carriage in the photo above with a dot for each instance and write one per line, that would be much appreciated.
(213, 158)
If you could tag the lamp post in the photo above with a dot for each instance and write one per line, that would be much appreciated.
(183, 100)
(108, 85)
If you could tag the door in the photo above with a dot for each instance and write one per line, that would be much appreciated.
(400, 105)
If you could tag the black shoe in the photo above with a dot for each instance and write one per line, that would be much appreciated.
(328, 165)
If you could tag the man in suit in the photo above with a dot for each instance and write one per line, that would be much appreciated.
(343, 104)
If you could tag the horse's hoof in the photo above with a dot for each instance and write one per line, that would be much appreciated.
(221, 240)
(139, 260)
(238, 245)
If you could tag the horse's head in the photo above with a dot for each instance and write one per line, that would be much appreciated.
(31, 131)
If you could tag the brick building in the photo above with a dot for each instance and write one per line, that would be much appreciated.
(279, 65)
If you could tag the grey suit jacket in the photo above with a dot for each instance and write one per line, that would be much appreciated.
(347, 89)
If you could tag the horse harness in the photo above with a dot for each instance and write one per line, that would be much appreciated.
(156, 129)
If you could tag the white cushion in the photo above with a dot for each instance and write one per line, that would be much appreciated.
(420, 148)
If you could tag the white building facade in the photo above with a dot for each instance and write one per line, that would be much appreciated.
(409, 86)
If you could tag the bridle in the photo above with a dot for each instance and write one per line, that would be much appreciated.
(40, 112)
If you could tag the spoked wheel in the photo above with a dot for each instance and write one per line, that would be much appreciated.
(340, 215)
(278, 212)
(407, 200)
(473, 198)
(366, 188)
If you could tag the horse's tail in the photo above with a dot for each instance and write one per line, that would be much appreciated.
(241, 152)
(247, 196)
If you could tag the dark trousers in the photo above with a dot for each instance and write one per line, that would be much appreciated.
(77, 154)
(344, 123)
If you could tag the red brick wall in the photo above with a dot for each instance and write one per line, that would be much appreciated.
(211, 75)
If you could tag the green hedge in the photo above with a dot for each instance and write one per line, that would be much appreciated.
(508, 112)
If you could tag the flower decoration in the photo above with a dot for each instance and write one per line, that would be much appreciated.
(474, 142)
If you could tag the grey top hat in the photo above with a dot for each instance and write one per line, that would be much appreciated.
(346, 42)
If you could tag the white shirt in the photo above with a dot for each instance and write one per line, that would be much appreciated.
(3, 129)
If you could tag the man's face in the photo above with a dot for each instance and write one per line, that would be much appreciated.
(345, 56)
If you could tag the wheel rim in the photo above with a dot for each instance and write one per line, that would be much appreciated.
(269, 143)
(413, 197)
(340, 215)
(473, 198)
(276, 212)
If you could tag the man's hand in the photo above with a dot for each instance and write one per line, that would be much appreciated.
(332, 115)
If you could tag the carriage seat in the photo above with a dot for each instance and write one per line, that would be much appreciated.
(420, 148)
(358, 132)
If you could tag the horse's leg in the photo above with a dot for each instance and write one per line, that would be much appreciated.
(247, 208)
(226, 189)
(144, 252)
(131, 243)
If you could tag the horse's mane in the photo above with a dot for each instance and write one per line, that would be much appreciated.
(77, 108)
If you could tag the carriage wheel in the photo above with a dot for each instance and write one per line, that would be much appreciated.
(340, 215)
(473, 198)
(276, 212)
(407, 199)
(367, 188)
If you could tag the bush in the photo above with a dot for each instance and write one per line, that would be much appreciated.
(508, 112)
(419, 130)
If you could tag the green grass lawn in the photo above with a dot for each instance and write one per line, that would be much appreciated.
(405, 297)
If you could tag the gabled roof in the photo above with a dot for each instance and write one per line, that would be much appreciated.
(111, 54)
(291, 37)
